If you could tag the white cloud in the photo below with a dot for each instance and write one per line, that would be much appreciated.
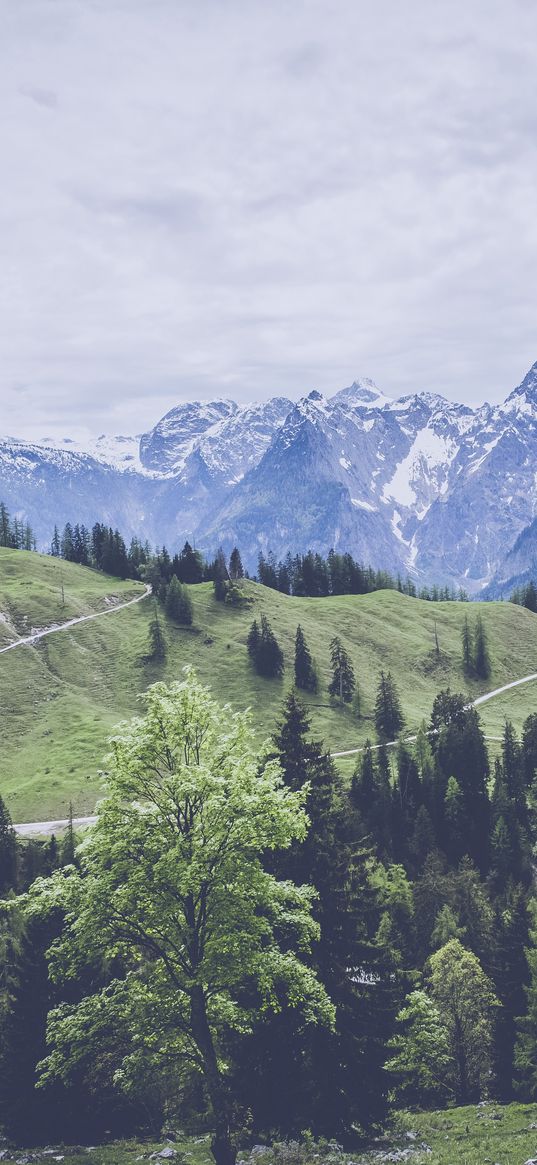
(248, 198)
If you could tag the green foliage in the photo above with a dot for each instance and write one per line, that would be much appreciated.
(177, 603)
(305, 674)
(343, 683)
(465, 1000)
(389, 718)
(264, 650)
(423, 1063)
(157, 640)
(172, 884)
(482, 662)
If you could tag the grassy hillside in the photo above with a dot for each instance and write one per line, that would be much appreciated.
(475, 1135)
(61, 697)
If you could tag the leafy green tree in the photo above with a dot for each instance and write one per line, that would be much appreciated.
(172, 884)
(343, 682)
(422, 1063)
(446, 927)
(178, 604)
(305, 674)
(465, 1000)
(389, 719)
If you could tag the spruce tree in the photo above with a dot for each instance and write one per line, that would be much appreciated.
(269, 657)
(157, 641)
(481, 651)
(252, 642)
(220, 576)
(68, 843)
(305, 675)
(8, 851)
(343, 683)
(467, 648)
(389, 719)
(235, 564)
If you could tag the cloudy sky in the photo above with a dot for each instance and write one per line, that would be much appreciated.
(242, 198)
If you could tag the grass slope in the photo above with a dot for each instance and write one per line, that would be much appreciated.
(61, 698)
(474, 1135)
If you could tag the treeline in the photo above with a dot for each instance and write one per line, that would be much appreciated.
(426, 943)
(15, 535)
(308, 575)
(313, 576)
(526, 596)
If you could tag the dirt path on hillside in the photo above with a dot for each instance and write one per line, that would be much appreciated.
(29, 639)
(38, 828)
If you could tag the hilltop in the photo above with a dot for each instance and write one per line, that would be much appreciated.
(61, 697)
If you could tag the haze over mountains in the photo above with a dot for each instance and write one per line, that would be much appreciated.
(419, 484)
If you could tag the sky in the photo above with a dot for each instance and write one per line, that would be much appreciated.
(238, 198)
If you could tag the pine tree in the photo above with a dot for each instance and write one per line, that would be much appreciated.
(525, 1057)
(220, 576)
(157, 641)
(343, 683)
(327, 1081)
(269, 657)
(8, 851)
(467, 648)
(305, 675)
(55, 546)
(481, 652)
(389, 719)
(68, 843)
(235, 564)
(252, 642)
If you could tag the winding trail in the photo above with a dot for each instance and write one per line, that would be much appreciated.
(38, 828)
(29, 639)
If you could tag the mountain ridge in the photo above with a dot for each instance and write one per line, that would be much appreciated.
(418, 484)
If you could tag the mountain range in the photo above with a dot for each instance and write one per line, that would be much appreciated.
(422, 485)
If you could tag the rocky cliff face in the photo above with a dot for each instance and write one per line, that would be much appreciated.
(419, 484)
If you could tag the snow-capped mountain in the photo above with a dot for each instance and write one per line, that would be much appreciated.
(419, 484)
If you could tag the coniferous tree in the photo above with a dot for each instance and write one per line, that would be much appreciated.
(157, 641)
(467, 647)
(55, 546)
(305, 675)
(328, 1082)
(235, 564)
(252, 641)
(8, 851)
(220, 576)
(190, 565)
(481, 651)
(343, 683)
(68, 844)
(389, 719)
(269, 656)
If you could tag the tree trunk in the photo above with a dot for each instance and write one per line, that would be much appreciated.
(222, 1146)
